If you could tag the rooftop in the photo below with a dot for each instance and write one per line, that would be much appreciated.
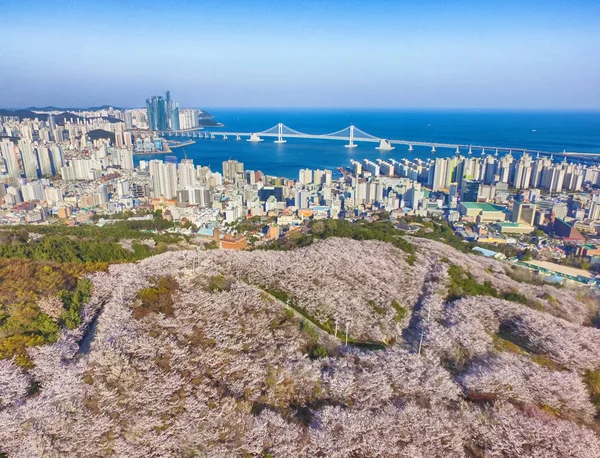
(483, 206)
(509, 224)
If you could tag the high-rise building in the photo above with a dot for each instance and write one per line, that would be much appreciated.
(45, 161)
(232, 168)
(594, 213)
(357, 167)
(57, 158)
(199, 195)
(33, 191)
(319, 177)
(302, 199)
(164, 179)
(29, 157)
(7, 148)
(162, 113)
(187, 173)
(126, 157)
(469, 190)
(189, 118)
(440, 175)
(305, 176)
(523, 213)
(372, 167)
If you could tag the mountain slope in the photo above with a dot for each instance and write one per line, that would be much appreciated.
(238, 354)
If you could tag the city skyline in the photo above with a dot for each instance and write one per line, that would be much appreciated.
(305, 54)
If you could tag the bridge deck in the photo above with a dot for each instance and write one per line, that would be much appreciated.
(358, 139)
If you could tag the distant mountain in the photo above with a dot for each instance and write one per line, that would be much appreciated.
(22, 114)
(51, 108)
(100, 133)
(59, 118)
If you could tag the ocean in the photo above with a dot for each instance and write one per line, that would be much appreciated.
(534, 130)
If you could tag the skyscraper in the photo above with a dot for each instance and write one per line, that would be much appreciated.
(162, 113)
(10, 158)
(469, 190)
(29, 157)
(187, 173)
(232, 168)
(164, 179)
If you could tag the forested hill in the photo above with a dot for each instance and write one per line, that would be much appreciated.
(343, 347)
(58, 118)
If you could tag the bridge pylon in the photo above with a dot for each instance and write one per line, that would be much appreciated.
(280, 134)
(410, 148)
(254, 138)
(433, 149)
(385, 145)
(237, 137)
(351, 143)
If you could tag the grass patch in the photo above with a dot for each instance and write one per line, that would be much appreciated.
(218, 283)
(327, 326)
(157, 298)
(503, 344)
(592, 381)
(546, 362)
(73, 301)
(377, 308)
(463, 284)
(360, 230)
(401, 312)
(551, 410)
(31, 309)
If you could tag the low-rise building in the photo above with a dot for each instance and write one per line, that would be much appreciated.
(482, 212)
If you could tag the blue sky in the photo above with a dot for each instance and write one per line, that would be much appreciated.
(417, 54)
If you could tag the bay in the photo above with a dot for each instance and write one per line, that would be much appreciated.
(552, 131)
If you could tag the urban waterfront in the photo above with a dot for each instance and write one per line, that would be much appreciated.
(535, 130)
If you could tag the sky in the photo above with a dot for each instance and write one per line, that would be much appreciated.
(525, 54)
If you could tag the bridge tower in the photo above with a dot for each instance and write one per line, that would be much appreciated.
(410, 148)
(433, 149)
(351, 143)
(280, 134)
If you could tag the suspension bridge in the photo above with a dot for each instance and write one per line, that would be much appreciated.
(352, 135)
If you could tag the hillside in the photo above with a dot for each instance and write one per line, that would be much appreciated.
(59, 119)
(227, 354)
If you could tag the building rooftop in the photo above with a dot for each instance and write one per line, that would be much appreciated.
(487, 253)
(483, 206)
(509, 224)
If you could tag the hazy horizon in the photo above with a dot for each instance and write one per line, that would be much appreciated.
(303, 54)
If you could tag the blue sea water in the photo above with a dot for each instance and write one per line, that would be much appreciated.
(532, 130)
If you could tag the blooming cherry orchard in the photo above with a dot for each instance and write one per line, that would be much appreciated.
(225, 354)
